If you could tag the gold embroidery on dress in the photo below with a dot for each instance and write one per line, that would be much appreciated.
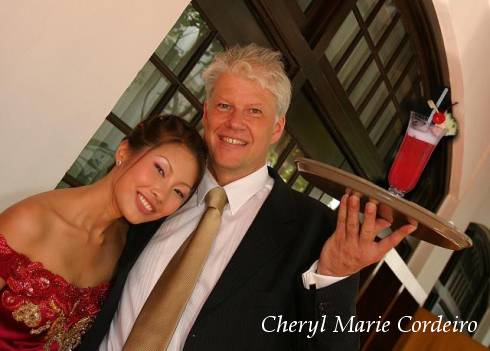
(29, 314)
(67, 340)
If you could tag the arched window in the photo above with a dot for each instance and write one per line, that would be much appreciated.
(355, 66)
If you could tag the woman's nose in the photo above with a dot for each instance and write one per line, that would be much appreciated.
(159, 193)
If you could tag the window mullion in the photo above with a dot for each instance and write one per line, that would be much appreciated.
(293, 178)
(378, 113)
(177, 85)
(369, 95)
(196, 56)
(372, 47)
(348, 52)
(397, 52)
(404, 73)
(119, 123)
(284, 155)
(359, 75)
(388, 31)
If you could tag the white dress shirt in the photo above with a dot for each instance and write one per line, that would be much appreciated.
(245, 198)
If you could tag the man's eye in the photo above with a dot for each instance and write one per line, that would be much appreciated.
(223, 107)
(160, 170)
(255, 111)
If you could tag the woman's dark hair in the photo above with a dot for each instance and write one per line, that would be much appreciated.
(165, 129)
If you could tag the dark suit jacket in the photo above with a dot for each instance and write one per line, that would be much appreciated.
(263, 278)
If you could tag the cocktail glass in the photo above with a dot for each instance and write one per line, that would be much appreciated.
(420, 140)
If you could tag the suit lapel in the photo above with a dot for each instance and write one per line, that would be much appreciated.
(138, 237)
(271, 230)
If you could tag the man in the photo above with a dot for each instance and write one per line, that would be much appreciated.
(251, 287)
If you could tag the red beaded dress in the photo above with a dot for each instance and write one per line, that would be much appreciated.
(39, 310)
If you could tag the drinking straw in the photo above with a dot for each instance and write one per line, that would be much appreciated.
(438, 103)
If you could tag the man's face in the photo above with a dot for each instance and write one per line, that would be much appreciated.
(239, 126)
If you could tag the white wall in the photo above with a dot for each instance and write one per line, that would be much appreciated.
(465, 28)
(63, 65)
(482, 213)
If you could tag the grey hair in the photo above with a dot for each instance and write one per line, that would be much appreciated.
(256, 63)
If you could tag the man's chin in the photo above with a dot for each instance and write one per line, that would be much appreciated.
(234, 168)
(231, 167)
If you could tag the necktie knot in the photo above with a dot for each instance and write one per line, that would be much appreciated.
(216, 198)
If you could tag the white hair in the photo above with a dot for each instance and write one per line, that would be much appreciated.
(256, 63)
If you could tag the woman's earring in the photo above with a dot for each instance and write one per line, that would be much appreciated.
(118, 162)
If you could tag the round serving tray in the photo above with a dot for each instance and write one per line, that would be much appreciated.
(431, 228)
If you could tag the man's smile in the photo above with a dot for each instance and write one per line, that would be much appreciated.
(232, 141)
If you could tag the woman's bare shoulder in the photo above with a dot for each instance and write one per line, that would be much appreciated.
(24, 223)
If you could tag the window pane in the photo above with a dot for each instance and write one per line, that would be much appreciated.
(342, 39)
(382, 123)
(315, 193)
(95, 159)
(183, 39)
(300, 184)
(181, 107)
(142, 95)
(400, 63)
(414, 75)
(63, 185)
(365, 7)
(387, 143)
(374, 104)
(409, 82)
(390, 45)
(354, 63)
(194, 81)
(304, 4)
(364, 85)
(278, 149)
(404, 89)
(289, 167)
(382, 20)
(330, 201)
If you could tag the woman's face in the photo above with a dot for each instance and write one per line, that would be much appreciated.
(154, 183)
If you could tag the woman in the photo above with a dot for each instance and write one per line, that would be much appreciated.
(59, 249)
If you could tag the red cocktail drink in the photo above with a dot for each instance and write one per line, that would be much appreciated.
(417, 146)
(409, 163)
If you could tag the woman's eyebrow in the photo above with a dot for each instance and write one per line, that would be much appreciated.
(187, 185)
(167, 162)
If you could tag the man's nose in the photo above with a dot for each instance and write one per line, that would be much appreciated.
(235, 119)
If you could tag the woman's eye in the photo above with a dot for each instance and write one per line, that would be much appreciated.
(160, 170)
(179, 193)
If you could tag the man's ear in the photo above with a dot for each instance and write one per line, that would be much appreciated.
(123, 151)
(278, 128)
(205, 112)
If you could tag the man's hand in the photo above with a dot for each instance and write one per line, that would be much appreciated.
(352, 246)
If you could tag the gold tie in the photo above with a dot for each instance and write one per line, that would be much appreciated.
(156, 323)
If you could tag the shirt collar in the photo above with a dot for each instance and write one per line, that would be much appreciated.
(239, 191)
